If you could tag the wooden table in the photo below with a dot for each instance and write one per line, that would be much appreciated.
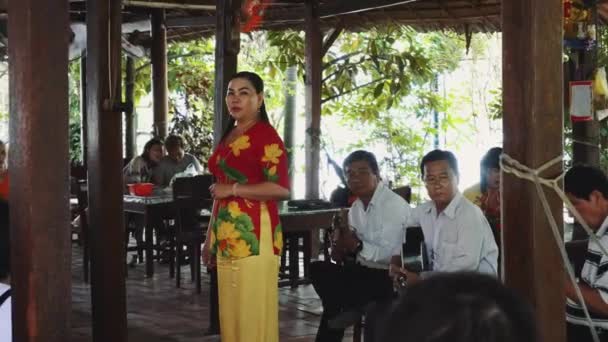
(154, 210)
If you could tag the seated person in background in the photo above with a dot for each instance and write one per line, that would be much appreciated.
(486, 194)
(456, 233)
(3, 172)
(5, 280)
(378, 218)
(460, 307)
(139, 169)
(587, 189)
(176, 161)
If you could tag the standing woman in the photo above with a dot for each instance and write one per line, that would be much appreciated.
(245, 235)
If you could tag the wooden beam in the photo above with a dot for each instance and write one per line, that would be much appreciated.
(159, 73)
(106, 226)
(227, 45)
(533, 134)
(38, 169)
(331, 38)
(313, 41)
(167, 4)
(130, 134)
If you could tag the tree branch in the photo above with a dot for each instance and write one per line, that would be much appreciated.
(327, 99)
(172, 57)
(341, 58)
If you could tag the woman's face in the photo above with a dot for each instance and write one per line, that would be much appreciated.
(242, 100)
(493, 178)
(156, 153)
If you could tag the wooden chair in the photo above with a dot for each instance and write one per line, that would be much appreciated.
(190, 196)
(405, 192)
(79, 190)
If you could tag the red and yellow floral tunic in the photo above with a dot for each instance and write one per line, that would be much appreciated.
(257, 156)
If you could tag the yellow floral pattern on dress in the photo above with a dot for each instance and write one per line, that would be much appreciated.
(278, 238)
(272, 171)
(239, 249)
(234, 232)
(272, 153)
(226, 231)
(234, 209)
(240, 144)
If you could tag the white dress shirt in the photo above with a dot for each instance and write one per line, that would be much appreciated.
(595, 275)
(459, 238)
(5, 317)
(380, 226)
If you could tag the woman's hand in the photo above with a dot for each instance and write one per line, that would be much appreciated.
(208, 259)
(220, 191)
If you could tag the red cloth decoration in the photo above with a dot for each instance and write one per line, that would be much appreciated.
(254, 14)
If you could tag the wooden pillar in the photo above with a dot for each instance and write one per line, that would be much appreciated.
(532, 126)
(290, 115)
(39, 203)
(227, 45)
(313, 52)
(108, 255)
(83, 109)
(130, 134)
(159, 72)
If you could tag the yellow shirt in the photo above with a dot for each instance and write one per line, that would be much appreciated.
(473, 194)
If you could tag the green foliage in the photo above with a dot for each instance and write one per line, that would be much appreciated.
(75, 144)
(495, 105)
(374, 77)
(197, 131)
(191, 75)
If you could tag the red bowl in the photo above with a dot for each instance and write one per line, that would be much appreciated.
(141, 189)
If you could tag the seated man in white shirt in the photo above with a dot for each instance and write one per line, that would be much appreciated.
(378, 218)
(456, 233)
(587, 189)
(5, 287)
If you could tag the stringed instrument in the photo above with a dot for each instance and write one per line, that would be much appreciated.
(343, 240)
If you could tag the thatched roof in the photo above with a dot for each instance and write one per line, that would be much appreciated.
(189, 19)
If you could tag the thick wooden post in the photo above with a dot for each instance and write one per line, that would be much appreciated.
(159, 72)
(313, 52)
(108, 255)
(533, 121)
(227, 45)
(83, 109)
(39, 210)
(130, 134)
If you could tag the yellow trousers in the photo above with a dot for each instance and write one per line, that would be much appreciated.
(248, 292)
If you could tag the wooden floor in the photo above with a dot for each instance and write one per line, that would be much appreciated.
(158, 311)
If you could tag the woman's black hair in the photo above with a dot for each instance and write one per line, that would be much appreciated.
(148, 146)
(491, 160)
(460, 307)
(258, 85)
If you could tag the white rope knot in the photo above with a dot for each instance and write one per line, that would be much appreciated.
(514, 167)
